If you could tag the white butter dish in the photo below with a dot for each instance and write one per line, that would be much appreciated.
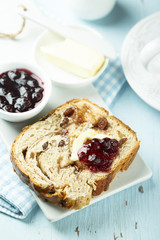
(59, 76)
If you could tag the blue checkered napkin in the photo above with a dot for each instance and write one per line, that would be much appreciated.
(16, 199)
(110, 82)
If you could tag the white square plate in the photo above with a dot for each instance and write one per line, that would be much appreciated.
(137, 172)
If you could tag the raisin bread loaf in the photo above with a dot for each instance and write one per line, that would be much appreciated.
(44, 155)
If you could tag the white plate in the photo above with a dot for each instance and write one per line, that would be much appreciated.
(59, 76)
(137, 172)
(143, 82)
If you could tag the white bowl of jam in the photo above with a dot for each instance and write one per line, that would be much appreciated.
(24, 91)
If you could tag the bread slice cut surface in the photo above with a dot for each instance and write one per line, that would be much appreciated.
(45, 154)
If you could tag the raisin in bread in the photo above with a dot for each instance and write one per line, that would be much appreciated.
(42, 155)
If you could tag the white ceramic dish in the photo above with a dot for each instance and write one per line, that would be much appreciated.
(57, 75)
(91, 9)
(18, 117)
(150, 56)
(138, 171)
(144, 82)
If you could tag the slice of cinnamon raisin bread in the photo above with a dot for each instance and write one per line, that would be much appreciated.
(73, 153)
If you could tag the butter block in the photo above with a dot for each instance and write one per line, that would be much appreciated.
(74, 57)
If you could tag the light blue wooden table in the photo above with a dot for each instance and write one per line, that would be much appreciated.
(110, 218)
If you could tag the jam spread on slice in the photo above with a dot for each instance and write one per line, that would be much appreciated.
(98, 154)
(20, 90)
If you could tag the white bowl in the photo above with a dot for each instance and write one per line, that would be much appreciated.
(19, 117)
(91, 9)
(59, 76)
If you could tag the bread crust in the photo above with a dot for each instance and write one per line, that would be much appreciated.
(58, 197)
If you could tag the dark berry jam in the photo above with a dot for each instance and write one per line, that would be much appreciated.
(98, 154)
(20, 90)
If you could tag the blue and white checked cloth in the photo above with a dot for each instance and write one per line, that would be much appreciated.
(110, 82)
(16, 199)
